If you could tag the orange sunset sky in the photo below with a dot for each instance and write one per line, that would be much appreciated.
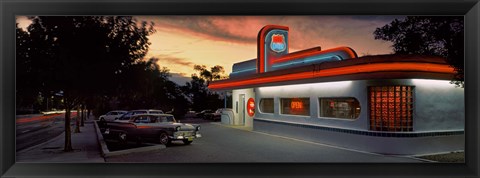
(183, 41)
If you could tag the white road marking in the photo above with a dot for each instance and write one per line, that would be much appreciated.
(321, 144)
(331, 146)
(25, 131)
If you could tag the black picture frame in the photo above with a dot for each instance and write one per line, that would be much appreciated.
(9, 9)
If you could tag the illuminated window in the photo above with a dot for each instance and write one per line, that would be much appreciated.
(344, 108)
(266, 105)
(391, 108)
(295, 106)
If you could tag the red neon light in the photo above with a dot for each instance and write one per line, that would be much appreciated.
(40, 118)
(296, 105)
(332, 104)
(306, 53)
(364, 68)
(251, 107)
(261, 45)
(277, 39)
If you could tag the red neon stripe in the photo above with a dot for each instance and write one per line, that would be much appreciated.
(39, 118)
(365, 68)
(306, 53)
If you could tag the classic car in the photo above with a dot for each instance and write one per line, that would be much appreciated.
(202, 114)
(126, 117)
(112, 115)
(162, 128)
(215, 116)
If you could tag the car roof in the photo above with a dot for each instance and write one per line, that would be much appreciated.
(153, 115)
(146, 110)
(155, 110)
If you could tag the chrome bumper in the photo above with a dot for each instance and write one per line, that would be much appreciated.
(185, 135)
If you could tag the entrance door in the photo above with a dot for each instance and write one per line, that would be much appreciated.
(241, 109)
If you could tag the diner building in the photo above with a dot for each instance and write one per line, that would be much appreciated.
(389, 104)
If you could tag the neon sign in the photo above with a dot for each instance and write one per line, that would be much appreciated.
(251, 107)
(296, 105)
(278, 43)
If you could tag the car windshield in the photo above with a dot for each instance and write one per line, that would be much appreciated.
(166, 119)
(144, 119)
(126, 116)
(139, 112)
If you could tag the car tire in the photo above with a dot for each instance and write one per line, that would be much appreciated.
(102, 119)
(163, 139)
(186, 142)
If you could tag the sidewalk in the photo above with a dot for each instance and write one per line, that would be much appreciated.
(86, 148)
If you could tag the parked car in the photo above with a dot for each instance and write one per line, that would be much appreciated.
(112, 115)
(215, 116)
(201, 114)
(129, 114)
(190, 114)
(162, 128)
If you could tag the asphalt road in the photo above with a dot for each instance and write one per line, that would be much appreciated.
(36, 129)
(221, 144)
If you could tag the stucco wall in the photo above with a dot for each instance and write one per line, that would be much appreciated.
(438, 105)
(375, 144)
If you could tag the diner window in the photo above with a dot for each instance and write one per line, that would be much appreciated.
(295, 106)
(344, 108)
(266, 105)
(391, 108)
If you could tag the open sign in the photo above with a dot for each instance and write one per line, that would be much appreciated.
(296, 105)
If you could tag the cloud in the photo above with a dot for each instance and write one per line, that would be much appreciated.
(305, 31)
(221, 28)
(170, 59)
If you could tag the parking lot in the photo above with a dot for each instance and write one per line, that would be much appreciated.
(220, 144)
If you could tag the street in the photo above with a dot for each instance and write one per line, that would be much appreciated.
(221, 144)
(35, 129)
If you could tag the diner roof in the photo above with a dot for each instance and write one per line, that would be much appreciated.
(391, 66)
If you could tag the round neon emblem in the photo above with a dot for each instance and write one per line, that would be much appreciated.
(251, 107)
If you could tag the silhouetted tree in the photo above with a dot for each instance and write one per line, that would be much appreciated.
(429, 35)
(27, 87)
(197, 89)
(82, 56)
(215, 73)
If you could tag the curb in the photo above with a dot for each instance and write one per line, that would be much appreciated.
(107, 153)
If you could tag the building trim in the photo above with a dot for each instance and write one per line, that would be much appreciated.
(366, 133)
(315, 51)
(338, 71)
